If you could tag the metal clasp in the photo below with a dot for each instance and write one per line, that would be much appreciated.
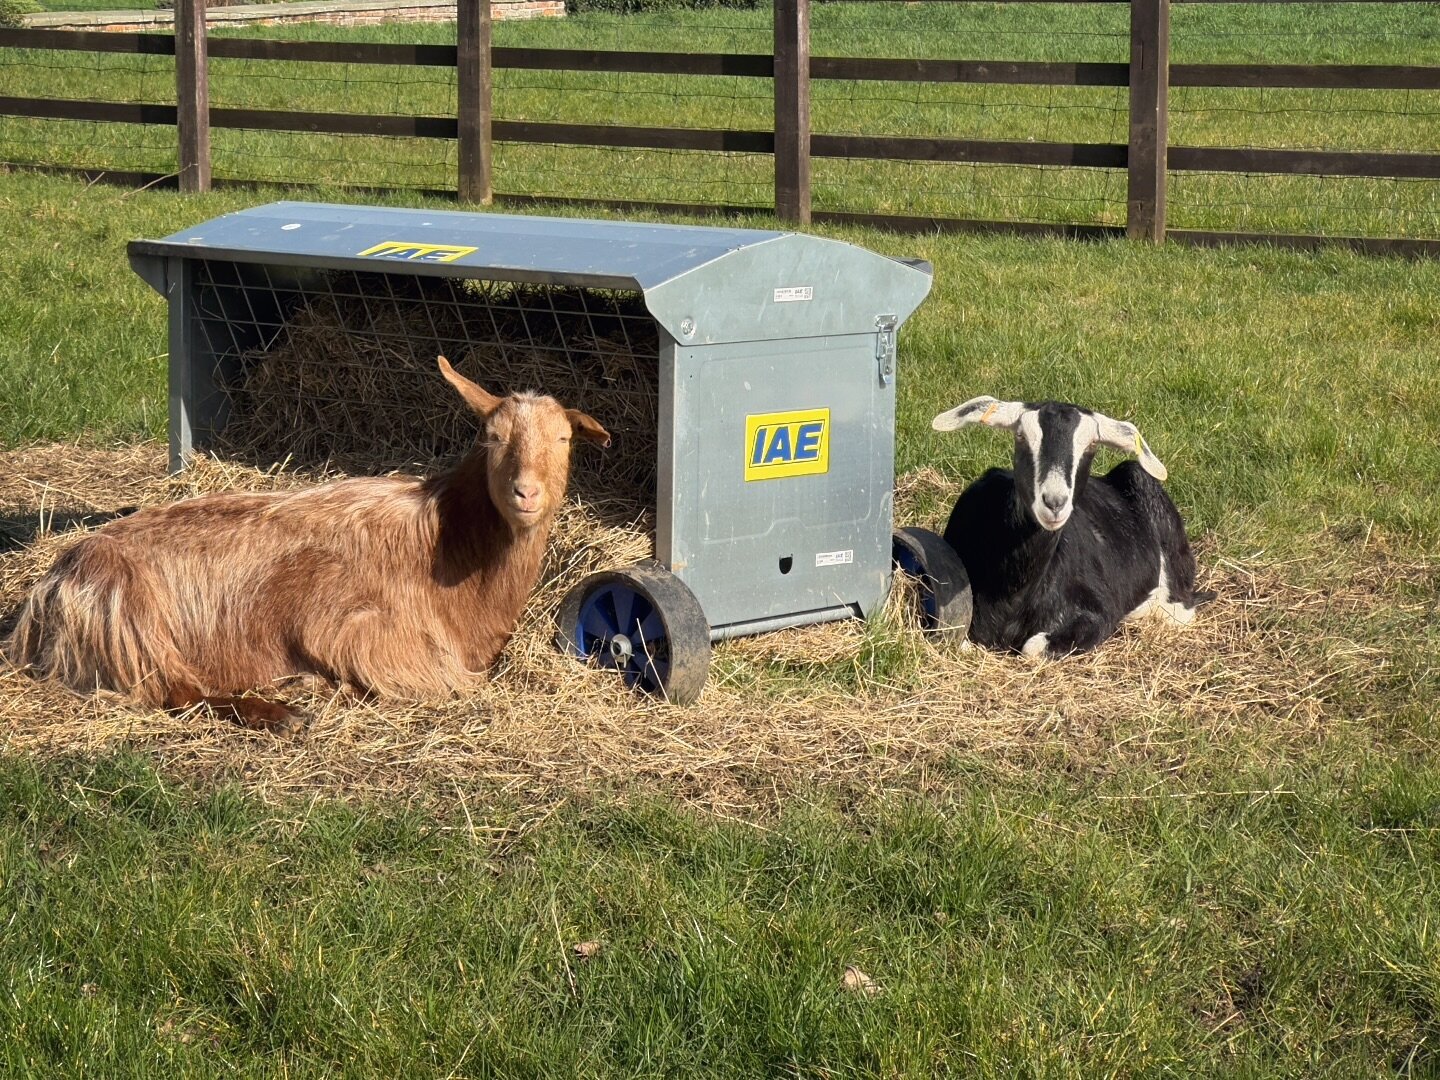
(885, 346)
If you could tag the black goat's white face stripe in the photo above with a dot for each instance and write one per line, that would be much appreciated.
(1058, 442)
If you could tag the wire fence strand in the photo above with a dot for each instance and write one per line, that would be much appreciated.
(945, 114)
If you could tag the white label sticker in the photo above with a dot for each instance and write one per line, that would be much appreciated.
(795, 292)
(835, 558)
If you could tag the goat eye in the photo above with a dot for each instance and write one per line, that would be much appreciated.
(564, 438)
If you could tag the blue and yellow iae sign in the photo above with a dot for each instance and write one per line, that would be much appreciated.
(787, 444)
(407, 252)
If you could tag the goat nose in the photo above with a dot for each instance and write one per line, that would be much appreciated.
(1053, 503)
(527, 492)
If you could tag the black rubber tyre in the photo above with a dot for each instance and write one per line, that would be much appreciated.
(643, 622)
(945, 601)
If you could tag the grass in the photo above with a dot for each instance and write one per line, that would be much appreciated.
(1020, 927)
(1286, 33)
(1154, 892)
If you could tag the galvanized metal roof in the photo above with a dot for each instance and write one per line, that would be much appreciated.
(614, 254)
(703, 283)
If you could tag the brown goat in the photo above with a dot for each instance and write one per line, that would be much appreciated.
(397, 586)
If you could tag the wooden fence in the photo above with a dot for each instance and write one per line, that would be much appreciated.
(1147, 157)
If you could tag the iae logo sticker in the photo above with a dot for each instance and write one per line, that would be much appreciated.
(407, 252)
(787, 444)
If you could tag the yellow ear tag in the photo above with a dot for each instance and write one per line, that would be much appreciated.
(985, 416)
(1139, 445)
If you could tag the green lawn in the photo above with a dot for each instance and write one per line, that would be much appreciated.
(1279, 924)
(1273, 33)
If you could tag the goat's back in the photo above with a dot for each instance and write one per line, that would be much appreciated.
(1151, 513)
(232, 590)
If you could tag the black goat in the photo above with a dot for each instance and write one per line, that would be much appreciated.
(1056, 560)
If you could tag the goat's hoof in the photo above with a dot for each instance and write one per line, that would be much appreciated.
(292, 725)
(1036, 648)
(282, 721)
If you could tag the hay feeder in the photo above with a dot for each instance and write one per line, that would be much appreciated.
(748, 376)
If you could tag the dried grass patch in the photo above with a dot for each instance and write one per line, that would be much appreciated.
(861, 706)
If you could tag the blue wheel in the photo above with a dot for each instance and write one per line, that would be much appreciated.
(945, 600)
(644, 624)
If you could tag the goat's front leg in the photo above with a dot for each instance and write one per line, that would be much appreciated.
(1080, 634)
(253, 713)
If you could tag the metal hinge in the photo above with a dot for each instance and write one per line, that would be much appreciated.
(885, 346)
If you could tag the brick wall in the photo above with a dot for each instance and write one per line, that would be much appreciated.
(345, 15)
(331, 12)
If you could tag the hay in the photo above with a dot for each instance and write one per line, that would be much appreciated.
(845, 704)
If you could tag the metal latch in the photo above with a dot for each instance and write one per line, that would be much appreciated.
(885, 346)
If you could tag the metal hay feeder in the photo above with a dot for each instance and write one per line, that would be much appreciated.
(767, 360)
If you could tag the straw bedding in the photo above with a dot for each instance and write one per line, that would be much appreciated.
(348, 385)
(856, 706)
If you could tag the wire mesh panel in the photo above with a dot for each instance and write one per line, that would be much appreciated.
(1305, 205)
(263, 88)
(1293, 32)
(972, 108)
(1330, 43)
(534, 94)
(338, 367)
(334, 160)
(920, 109)
(80, 78)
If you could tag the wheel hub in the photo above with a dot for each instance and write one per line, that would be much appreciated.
(645, 624)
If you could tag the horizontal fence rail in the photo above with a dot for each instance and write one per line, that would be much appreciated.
(1012, 73)
(993, 152)
(1307, 76)
(105, 112)
(796, 140)
(643, 138)
(88, 41)
(1304, 162)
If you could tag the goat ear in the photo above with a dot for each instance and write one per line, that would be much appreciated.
(587, 427)
(479, 399)
(980, 410)
(1125, 436)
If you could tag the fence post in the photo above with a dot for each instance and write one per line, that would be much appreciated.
(192, 95)
(792, 111)
(1149, 118)
(472, 88)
